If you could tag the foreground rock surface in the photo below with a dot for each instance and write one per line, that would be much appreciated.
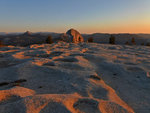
(77, 78)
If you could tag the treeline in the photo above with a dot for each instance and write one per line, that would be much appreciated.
(112, 40)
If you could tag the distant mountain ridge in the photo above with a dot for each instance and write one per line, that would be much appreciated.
(142, 35)
(27, 38)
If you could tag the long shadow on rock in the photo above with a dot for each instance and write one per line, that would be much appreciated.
(54, 107)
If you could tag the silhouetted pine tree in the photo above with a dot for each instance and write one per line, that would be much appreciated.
(142, 44)
(112, 40)
(1, 44)
(90, 40)
(127, 43)
(49, 40)
(148, 44)
(133, 41)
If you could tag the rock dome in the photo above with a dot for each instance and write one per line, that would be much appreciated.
(74, 36)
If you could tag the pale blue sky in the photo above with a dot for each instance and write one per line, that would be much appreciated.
(87, 16)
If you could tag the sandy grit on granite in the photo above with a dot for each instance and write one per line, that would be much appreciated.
(77, 78)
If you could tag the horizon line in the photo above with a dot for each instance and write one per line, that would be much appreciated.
(80, 32)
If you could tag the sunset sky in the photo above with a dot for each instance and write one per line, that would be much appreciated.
(87, 16)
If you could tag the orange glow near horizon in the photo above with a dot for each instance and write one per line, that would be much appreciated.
(124, 26)
(113, 29)
(97, 27)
